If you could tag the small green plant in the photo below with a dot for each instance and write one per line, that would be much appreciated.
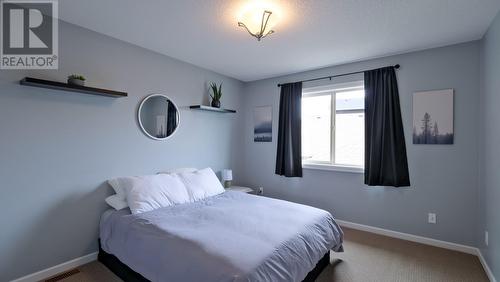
(216, 91)
(77, 76)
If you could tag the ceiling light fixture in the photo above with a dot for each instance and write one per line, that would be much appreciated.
(263, 26)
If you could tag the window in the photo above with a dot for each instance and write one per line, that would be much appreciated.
(333, 127)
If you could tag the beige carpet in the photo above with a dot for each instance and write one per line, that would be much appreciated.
(370, 257)
(367, 257)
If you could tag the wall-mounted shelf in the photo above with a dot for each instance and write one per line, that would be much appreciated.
(72, 88)
(211, 109)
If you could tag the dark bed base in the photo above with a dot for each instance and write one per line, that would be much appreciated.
(322, 264)
(127, 274)
(119, 268)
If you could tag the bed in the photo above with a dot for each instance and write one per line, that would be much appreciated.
(232, 236)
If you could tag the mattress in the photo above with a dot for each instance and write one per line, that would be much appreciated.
(229, 237)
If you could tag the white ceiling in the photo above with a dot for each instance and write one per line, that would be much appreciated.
(312, 34)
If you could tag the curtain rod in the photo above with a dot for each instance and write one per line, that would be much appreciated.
(337, 75)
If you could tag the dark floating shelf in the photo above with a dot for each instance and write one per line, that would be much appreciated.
(35, 82)
(211, 109)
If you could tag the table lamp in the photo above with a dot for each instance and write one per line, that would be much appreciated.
(227, 177)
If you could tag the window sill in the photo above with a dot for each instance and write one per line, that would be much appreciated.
(351, 169)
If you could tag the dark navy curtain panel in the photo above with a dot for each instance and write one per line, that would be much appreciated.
(171, 118)
(386, 162)
(289, 154)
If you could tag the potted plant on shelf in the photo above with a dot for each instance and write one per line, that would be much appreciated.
(76, 79)
(216, 94)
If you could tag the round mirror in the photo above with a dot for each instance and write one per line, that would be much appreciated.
(158, 116)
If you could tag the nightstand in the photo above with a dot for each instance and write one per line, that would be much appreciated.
(241, 189)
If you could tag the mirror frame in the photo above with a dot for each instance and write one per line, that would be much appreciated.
(140, 122)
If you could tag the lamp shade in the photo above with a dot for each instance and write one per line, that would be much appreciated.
(227, 175)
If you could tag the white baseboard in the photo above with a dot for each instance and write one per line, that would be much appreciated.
(486, 266)
(51, 271)
(410, 237)
(422, 240)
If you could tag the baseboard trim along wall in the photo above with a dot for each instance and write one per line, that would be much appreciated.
(51, 271)
(46, 273)
(409, 237)
(486, 266)
(422, 240)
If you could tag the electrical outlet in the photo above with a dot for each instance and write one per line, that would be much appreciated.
(261, 190)
(432, 218)
(486, 238)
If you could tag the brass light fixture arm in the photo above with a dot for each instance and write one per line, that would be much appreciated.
(259, 35)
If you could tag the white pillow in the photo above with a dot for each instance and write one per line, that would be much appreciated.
(146, 193)
(178, 170)
(116, 202)
(201, 184)
(121, 187)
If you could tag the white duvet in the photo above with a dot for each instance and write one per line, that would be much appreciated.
(229, 237)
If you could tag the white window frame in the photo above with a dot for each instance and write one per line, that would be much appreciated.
(332, 89)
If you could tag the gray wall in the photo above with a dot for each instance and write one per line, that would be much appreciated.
(58, 148)
(490, 139)
(444, 177)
